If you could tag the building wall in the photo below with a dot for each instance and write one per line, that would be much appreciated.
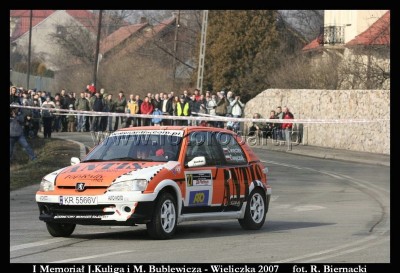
(42, 43)
(340, 105)
(355, 21)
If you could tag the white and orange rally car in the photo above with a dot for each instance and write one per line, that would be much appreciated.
(158, 176)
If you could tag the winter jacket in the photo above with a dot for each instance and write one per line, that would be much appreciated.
(287, 115)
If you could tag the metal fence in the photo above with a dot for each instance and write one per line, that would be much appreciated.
(40, 83)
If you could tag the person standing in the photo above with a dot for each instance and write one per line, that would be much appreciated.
(287, 127)
(146, 109)
(17, 133)
(96, 106)
(109, 106)
(47, 117)
(211, 106)
(81, 104)
(182, 109)
(236, 108)
(133, 109)
(279, 115)
(71, 119)
(220, 110)
(139, 104)
(120, 104)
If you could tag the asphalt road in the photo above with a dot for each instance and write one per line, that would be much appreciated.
(321, 211)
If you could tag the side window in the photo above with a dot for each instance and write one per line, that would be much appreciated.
(231, 150)
(202, 144)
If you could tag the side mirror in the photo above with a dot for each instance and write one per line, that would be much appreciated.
(75, 160)
(198, 161)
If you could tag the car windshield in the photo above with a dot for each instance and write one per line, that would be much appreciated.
(139, 145)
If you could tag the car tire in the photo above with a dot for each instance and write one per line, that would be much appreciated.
(60, 230)
(256, 210)
(164, 219)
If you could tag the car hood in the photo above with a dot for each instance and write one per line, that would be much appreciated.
(105, 173)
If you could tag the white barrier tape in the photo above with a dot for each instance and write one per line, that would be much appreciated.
(204, 117)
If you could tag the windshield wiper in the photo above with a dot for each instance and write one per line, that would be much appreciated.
(93, 160)
(127, 158)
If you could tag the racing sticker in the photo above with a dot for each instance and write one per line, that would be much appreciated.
(178, 133)
(233, 154)
(199, 198)
(199, 188)
(198, 179)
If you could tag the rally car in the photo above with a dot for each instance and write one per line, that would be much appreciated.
(158, 176)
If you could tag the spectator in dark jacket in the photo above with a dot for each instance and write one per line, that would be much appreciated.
(120, 104)
(97, 106)
(17, 133)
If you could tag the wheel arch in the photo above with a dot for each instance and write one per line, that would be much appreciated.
(257, 184)
(170, 186)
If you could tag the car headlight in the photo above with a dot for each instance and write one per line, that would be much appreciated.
(129, 185)
(46, 185)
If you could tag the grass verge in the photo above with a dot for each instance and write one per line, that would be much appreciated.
(53, 154)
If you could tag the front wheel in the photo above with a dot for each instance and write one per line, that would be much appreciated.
(256, 210)
(60, 230)
(164, 220)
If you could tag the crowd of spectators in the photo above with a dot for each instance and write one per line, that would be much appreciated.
(165, 104)
(278, 131)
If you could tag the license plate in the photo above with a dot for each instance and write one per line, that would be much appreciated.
(78, 200)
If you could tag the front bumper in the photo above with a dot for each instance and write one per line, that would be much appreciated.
(118, 208)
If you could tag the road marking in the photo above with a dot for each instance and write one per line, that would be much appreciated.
(329, 250)
(341, 253)
(308, 208)
(40, 243)
(380, 194)
(274, 197)
(92, 256)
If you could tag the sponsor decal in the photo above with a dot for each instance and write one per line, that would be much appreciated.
(177, 133)
(43, 198)
(101, 167)
(189, 180)
(199, 198)
(199, 179)
(90, 177)
(115, 198)
(78, 217)
(233, 154)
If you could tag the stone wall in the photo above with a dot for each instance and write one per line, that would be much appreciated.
(333, 104)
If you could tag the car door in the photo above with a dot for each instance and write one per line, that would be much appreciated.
(238, 174)
(202, 181)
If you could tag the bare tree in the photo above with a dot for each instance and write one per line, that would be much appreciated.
(307, 22)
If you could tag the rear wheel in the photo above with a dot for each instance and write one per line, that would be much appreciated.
(164, 219)
(60, 230)
(256, 210)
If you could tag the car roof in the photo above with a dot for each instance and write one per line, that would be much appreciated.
(187, 129)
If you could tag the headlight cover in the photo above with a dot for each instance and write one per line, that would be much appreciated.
(46, 185)
(129, 185)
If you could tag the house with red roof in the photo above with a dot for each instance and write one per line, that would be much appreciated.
(361, 38)
(144, 43)
(137, 38)
(45, 23)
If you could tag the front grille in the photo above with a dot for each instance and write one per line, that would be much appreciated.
(86, 187)
(58, 209)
